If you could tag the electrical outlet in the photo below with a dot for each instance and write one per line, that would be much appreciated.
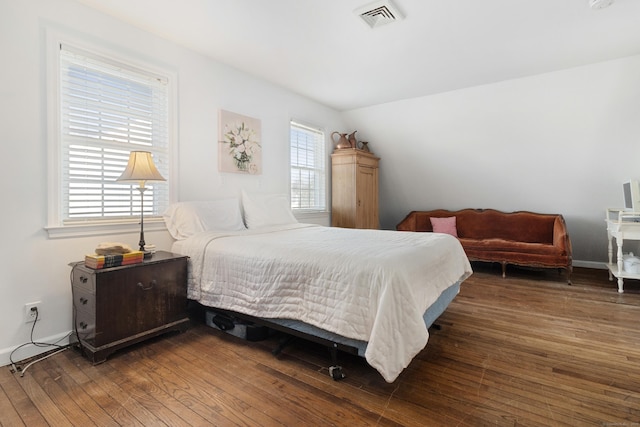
(31, 311)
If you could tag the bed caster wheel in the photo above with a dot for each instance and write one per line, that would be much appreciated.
(336, 373)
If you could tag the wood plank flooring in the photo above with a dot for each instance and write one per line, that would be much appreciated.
(528, 350)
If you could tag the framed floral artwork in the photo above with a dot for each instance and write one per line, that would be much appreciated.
(239, 148)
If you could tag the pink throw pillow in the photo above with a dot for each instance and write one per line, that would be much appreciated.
(444, 225)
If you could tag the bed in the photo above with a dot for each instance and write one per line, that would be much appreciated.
(375, 291)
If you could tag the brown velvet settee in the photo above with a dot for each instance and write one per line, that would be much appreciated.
(519, 238)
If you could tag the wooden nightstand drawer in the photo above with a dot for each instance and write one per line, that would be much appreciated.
(83, 278)
(86, 326)
(84, 301)
(115, 307)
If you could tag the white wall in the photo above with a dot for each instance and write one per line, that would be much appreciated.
(34, 267)
(561, 142)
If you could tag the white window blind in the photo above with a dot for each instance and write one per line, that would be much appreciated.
(308, 171)
(107, 110)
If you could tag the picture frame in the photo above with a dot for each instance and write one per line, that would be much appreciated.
(239, 143)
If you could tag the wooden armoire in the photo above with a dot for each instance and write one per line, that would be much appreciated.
(354, 189)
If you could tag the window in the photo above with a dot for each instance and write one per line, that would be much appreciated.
(308, 174)
(108, 109)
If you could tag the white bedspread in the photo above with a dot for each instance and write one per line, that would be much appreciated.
(370, 285)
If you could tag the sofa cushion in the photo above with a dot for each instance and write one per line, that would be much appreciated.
(445, 225)
(502, 245)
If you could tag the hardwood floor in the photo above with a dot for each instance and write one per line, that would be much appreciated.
(525, 350)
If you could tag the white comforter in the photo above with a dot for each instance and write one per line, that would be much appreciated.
(370, 285)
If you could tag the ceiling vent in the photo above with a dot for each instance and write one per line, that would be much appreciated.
(378, 13)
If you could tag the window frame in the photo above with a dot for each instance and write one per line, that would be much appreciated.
(311, 212)
(56, 226)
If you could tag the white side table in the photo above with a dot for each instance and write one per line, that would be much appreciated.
(621, 225)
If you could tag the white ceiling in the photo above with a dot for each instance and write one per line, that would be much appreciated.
(321, 49)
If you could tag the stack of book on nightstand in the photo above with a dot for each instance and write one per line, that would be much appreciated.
(96, 261)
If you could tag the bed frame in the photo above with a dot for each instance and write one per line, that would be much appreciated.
(333, 342)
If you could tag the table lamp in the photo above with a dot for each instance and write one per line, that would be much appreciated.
(141, 169)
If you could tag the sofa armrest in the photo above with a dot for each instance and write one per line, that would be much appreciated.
(560, 236)
(408, 223)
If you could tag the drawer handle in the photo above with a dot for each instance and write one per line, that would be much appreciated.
(146, 288)
(83, 279)
(83, 325)
(83, 300)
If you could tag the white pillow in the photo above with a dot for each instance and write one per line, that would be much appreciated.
(264, 210)
(184, 219)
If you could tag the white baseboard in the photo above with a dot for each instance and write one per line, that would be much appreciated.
(590, 264)
(30, 350)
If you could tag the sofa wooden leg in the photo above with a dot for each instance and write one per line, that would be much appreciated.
(568, 272)
(504, 269)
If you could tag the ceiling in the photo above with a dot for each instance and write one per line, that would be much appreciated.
(323, 50)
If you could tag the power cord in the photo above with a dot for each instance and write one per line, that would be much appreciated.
(18, 368)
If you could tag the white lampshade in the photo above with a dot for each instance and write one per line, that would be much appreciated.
(140, 168)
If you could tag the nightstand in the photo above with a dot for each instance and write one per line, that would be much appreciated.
(119, 306)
